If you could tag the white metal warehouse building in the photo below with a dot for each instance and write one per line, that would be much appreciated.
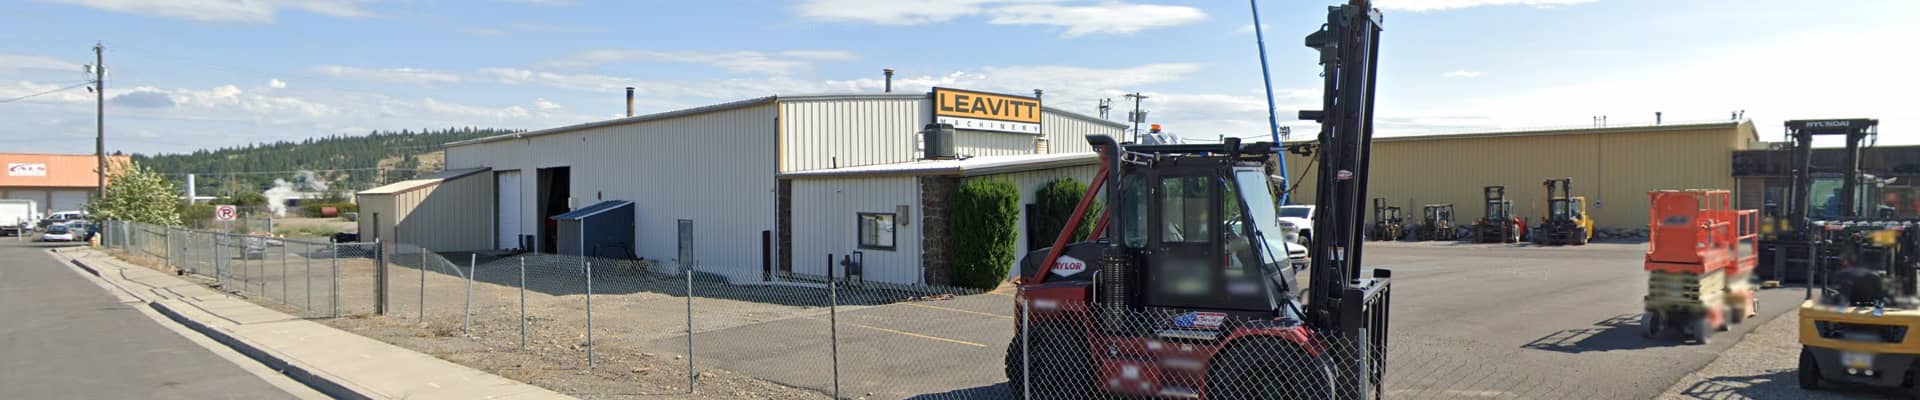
(771, 186)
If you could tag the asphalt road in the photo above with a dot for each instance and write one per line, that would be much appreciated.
(1469, 321)
(65, 338)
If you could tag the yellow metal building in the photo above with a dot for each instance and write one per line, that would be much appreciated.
(1614, 167)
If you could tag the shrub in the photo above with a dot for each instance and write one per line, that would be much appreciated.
(313, 209)
(983, 225)
(138, 194)
(1054, 205)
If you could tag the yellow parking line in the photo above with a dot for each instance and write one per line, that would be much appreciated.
(905, 333)
(954, 341)
(957, 310)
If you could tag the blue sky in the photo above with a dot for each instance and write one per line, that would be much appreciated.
(189, 74)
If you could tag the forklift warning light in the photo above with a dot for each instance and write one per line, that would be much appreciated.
(1199, 320)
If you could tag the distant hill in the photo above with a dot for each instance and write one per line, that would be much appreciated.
(343, 163)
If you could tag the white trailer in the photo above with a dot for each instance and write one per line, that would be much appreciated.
(17, 215)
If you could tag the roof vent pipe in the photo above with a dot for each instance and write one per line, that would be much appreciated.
(1656, 117)
(1036, 94)
(629, 101)
(889, 73)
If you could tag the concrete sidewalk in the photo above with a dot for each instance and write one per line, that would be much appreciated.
(335, 362)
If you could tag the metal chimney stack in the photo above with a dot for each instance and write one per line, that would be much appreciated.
(629, 101)
(889, 73)
(1656, 117)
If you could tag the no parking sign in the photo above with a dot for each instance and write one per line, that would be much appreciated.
(225, 213)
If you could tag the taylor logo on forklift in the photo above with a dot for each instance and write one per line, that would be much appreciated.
(1069, 266)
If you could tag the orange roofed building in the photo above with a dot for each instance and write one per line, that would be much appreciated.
(55, 182)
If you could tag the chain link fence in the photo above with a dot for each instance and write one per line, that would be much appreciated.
(614, 328)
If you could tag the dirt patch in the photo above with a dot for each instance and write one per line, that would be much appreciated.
(632, 308)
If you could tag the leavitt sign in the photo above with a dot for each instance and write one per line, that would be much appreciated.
(982, 111)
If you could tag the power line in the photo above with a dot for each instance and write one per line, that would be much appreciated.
(44, 93)
(297, 171)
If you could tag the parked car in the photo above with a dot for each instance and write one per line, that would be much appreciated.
(58, 233)
(1297, 221)
(61, 216)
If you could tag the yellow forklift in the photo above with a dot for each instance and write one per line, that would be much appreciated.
(1566, 222)
(1858, 323)
(1388, 225)
(1437, 223)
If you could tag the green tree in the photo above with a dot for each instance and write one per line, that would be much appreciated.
(983, 225)
(138, 194)
(1054, 205)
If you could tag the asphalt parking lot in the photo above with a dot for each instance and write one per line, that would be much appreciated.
(1469, 321)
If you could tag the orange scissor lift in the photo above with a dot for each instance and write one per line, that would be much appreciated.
(1700, 262)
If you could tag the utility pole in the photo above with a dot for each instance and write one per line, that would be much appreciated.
(100, 113)
(1136, 116)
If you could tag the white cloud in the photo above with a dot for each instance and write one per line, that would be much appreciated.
(276, 83)
(738, 61)
(545, 105)
(892, 12)
(1461, 73)
(30, 62)
(1440, 5)
(1079, 18)
(247, 11)
(1111, 18)
(394, 75)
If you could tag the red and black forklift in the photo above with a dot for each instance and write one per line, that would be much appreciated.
(1499, 225)
(1186, 290)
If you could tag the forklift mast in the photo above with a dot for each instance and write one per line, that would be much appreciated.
(1559, 197)
(1801, 133)
(1349, 47)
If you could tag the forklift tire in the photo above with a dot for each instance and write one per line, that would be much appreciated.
(1651, 325)
(1700, 331)
(1062, 367)
(1580, 237)
(1247, 371)
(1809, 373)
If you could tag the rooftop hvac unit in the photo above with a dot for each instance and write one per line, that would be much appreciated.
(939, 142)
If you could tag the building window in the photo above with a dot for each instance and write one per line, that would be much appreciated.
(876, 231)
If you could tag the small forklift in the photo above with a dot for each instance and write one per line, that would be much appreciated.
(1499, 225)
(1858, 321)
(1183, 289)
(1566, 222)
(1388, 225)
(1818, 193)
(1699, 280)
(1437, 222)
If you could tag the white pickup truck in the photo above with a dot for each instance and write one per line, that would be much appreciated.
(17, 216)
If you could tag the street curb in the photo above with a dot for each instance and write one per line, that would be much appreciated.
(323, 385)
(83, 266)
(318, 383)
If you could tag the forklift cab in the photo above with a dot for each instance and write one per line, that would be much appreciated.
(1499, 210)
(1210, 234)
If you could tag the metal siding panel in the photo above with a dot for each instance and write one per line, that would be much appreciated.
(850, 132)
(712, 168)
(826, 213)
(1613, 170)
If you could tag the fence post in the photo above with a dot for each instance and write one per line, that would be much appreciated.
(1366, 364)
(423, 283)
(833, 323)
(334, 299)
(466, 320)
(380, 277)
(166, 250)
(1026, 349)
(283, 268)
(691, 375)
(306, 270)
(589, 314)
(523, 303)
